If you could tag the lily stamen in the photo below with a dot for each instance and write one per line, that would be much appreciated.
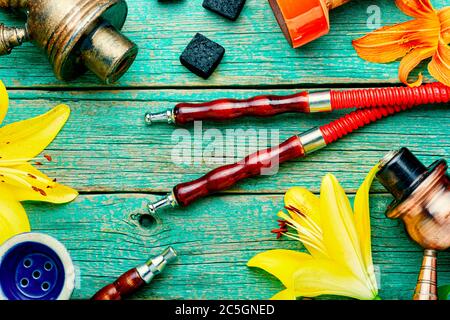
(318, 247)
(311, 234)
(310, 222)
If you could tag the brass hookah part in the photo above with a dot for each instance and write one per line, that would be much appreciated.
(10, 38)
(422, 201)
(426, 288)
(76, 35)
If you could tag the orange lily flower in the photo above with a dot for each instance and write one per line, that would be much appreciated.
(427, 36)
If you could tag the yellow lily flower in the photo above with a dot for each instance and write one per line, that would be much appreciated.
(339, 261)
(19, 180)
(13, 219)
(427, 36)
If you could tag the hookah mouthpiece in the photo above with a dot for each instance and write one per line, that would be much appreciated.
(132, 280)
(255, 164)
(300, 102)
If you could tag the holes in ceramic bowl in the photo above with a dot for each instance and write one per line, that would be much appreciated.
(45, 286)
(48, 266)
(24, 282)
(27, 263)
(36, 274)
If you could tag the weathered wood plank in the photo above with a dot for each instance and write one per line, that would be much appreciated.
(106, 146)
(215, 239)
(257, 53)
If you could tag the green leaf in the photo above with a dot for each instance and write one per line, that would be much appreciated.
(444, 292)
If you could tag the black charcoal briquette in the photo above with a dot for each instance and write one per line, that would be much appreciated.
(230, 9)
(202, 56)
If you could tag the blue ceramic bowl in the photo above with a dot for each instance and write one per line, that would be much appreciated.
(35, 266)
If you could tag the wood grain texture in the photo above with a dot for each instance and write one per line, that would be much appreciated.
(215, 239)
(119, 164)
(106, 147)
(256, 51)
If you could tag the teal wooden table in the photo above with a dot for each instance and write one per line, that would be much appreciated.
(118, 164)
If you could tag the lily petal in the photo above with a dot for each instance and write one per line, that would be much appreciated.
(439, 66)
(286, 294)
(389, 44)
(339, 231)
(411, 61)
(415, 8)
(13, 219)
(26, 139)
(4, 101)
(280, 263)
(444, 17)
(28, 183)
(362, 223)
(324, 277)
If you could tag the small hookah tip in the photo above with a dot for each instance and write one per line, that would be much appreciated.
(161, 117)
(170, 254)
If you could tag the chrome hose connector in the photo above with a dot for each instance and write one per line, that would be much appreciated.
(168, 201)
(320, 101)
(312, 140)
(161, 117)
(156, 265)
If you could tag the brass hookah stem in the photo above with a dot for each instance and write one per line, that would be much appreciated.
(13, 4)
(11, 37)
(426, 288)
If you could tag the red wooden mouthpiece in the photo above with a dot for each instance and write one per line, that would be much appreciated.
(303, 102)
(224, 177)
(132, 280)
(124, 286)
(227, 109)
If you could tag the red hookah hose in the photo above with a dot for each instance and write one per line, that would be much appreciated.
(302, 102)
(347, 124)
(255, 164)
(426, 94)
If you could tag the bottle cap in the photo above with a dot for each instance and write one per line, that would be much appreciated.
(401, 173)
(301, 21)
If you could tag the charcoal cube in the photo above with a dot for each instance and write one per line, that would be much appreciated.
(230, 9)
(202, 56)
